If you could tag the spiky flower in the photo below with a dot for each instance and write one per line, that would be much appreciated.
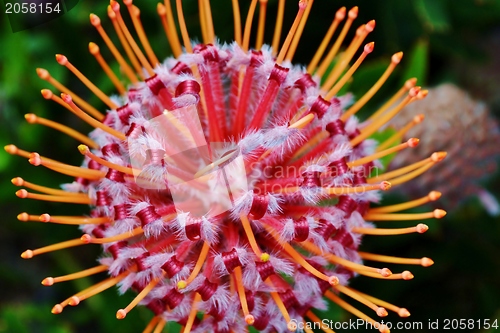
(227, 181)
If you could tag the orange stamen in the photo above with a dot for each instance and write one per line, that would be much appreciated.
(339, 16)
(336, 88)
(384, 186)
(197, 268)
(169, 27)
(237, 22)
(96, 22)
(399, 134)
(343, 304)
(23, 194)
(406, 275)
(412, 142)
(28, 254)
(70, 170)
(13, 150)
(435, 214)
(238, 280)
(192, 314)
(291, 33)
(49, 281)
(209, 21)
(410, 83)
(278, 27)
(314, 318)
(251, 238)
(63, 61)
(351, 16)
(420, 228)
(18, 181)
(402, 312)
(84, 150)
(161, 324)
(34, 119)
(151, 325)
(432, 196)
(203, 23)
(426, 262)
(135, 15)
(381, 312)
(122, 313)
(395, 60)
(87, 239)
(97, 288)
(91, 121)
(292, 326)
(182, 25)
(45, 75)
(248, 25)
(115, 6)
(95, 51)
(262, 24)
(300, 30)
(75, 220)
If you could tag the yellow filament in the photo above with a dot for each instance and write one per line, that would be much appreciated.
(151, 325)
(432, 196)
(45, 75)
(303, 122)
(401, 171)
(353, 13)
(238, 280)
(94, 50)
(281, 306)
(409, 176)
(314, 318)
(402, 312)
(28, 254)
(18, 181)
(336, 88)
(192, 314)
(373, 90)
(48, 281)
(410, 83)
(139, 29)
(66, 169)
(262, 24)
(406, 275)
(62, 60)
(97, 288)
(142, 59)
(122, 313)
(346, 306)
(339, 16)
(54, 198)
(169, 27)
(250, 235)
(413, 142)
(396, 260)
(91, 121)
(399, 134)
(126, 235)
(341, 190)
(248, 25)
(161, 325)
(96, 22)
(278, 27)
(84, 150)
(75, 220)
(209, 22)
(437, 214)
(354, 295)
(291, 33)
(421, 228)
(197, 268)
(237, 22)
(300, 30)
(182, 25)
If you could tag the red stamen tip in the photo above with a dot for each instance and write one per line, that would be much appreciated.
(18, 181)
(23, 194)
(426, 262)
(10, 149)
(370, 26)
(340, 14)
(439, 213)
(369, 47)
(385, 185)
(35, 159)
(43, 73)
(127, 2)
(384, 329)
(66, 98)
(410, 83)
(333, 280)
(160, 8)
(385, 272)
(421, 228)
(57, 309)
(422, 94)
(121, 314)
(396, 57)
(413, 142)
(403, 313)
(95, 20)
(83, 149)
(407, 275)
(23, 217)
(414, 91)
(62, 60)
(418, 118)
(381, 312)
(249, 319)
(439, 156)
(48, 281)
(28, 254)
(86, 238)
(44, 218)
(292, 326)
(434, 195)
(353, 12)
(74, 301)
(47, 94)
(115, 6)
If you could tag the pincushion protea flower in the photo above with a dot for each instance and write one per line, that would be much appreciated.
(225, 180)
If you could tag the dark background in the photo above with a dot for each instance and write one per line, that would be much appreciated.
(444, 41)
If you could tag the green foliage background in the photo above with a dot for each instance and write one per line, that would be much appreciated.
(443, 40)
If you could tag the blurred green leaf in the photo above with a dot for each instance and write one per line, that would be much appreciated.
(433, 14)
(417, 63)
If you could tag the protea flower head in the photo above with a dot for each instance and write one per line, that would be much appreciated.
(449, 113)
(227, 181)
